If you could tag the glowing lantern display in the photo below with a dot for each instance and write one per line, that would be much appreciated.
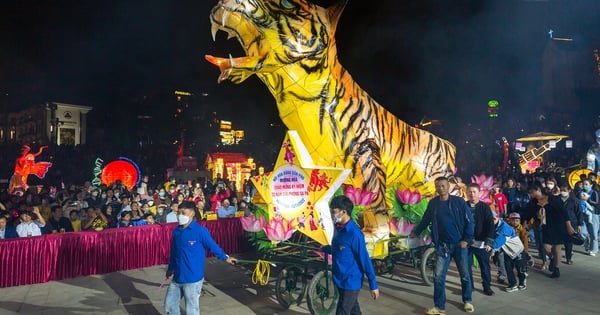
(493, 108)
(122, 169)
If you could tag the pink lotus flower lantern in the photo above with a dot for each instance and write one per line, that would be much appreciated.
(400, 226)
(252, 224)
(358, 196)
(408, 197)
(278, 229)
(486, 183)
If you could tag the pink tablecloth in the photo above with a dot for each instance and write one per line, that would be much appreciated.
(59, 256)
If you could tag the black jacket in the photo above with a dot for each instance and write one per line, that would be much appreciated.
(484, 223)
(61, 223)
(573, 209)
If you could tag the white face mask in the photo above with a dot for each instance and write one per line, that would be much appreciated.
(94, 193)
(564, 194)
(183, 219)
(338, 219)
(550, 186)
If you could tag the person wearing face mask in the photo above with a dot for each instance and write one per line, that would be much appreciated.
(350, 261)
(573, 208)
(592, 228)
(554, 223)
(593, 155)
(551, 187)
(186, 262)
(161, 194)
(161, 214)
(94, 199)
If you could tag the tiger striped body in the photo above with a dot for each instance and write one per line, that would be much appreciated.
(291, 48)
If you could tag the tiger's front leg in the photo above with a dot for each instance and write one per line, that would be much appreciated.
(369, 167)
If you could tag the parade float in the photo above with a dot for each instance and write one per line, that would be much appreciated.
(290, 46)
(348, 142)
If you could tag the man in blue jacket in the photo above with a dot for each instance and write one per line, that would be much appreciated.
(186, 263)
(351, 260)
(452, 228)
(6, 230)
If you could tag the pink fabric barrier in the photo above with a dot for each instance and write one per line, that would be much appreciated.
(60, 256)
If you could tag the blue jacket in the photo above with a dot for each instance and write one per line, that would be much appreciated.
(188, 252)
(10, 231)
(462, 217)
(351, 260)
(503, 231)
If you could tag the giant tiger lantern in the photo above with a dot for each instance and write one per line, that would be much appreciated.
(290, 46)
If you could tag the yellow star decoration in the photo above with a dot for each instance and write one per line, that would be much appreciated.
(299, 191)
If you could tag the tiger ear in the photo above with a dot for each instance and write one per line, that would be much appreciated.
(334, 12)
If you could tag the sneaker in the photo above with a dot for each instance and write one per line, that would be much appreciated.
(522, 287)
(434, 311)
(511, 289)
(469, 308)
(592, 254)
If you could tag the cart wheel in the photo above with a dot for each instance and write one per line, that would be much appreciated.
(322, 294)
(290, 286)
(428, 265)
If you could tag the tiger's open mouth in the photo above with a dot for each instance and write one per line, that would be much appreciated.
(235, 23)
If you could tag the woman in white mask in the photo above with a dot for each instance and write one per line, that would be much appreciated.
(552, 187)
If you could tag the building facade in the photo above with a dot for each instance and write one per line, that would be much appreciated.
(50, 123)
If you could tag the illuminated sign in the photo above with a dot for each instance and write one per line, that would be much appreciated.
(183, 93)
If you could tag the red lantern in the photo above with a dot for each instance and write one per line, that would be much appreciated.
(124, 170)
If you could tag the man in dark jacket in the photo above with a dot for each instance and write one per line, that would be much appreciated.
(485, 232)
(57, 222)
(572, 206)
(452, 231)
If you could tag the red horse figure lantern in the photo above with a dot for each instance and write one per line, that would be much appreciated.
(26, 165)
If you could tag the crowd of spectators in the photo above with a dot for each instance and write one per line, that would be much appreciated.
(517, 202)
(41, 209)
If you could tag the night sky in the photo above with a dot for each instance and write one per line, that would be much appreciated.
(419, 58)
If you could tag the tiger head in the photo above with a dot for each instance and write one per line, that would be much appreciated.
(276, 35)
